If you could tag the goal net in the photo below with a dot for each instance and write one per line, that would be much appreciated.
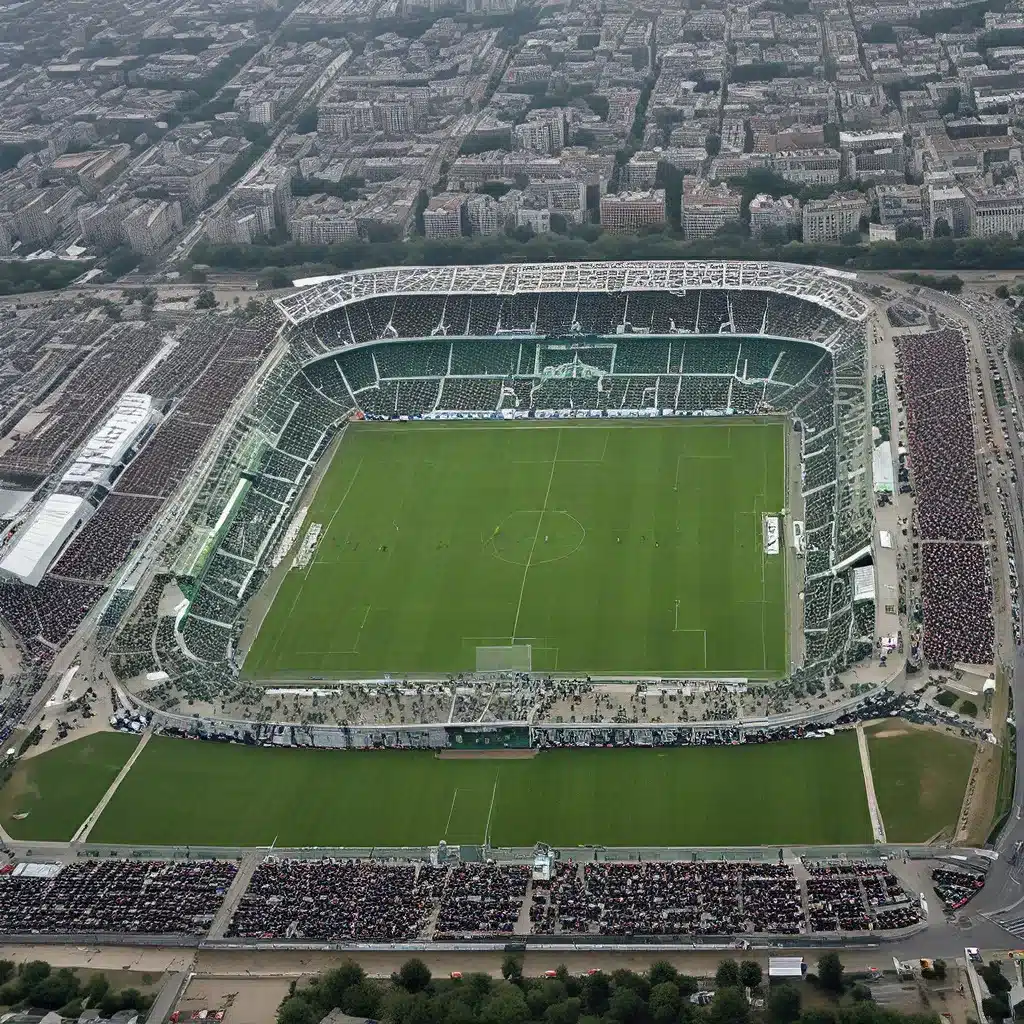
(510, 658)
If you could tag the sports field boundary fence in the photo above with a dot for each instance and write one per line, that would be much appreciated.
(42, 851)
(485, 944)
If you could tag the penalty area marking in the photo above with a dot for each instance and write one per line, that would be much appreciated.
(330, 522)
(703, 632)
(684, 455)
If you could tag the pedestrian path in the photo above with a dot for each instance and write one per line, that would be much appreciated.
(877, 825)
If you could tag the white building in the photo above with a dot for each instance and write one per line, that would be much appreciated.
(782, 213)
(539, 221)
(827, 220)
(37, 545)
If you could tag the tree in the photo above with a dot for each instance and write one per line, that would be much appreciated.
(661, 971)
(860, 993)
(596, 990)
(206, 300)
(33, 972)
(942, 228)
(626, 1006)
(296, 1010)
(729, 1006)
(7, 971)
(96, 988)
(566, 1012)
(197, 276)
(784, 1004)
(540, 996)
(750, 973)
(512, 969)
(664, 1002)
(712, 144)
(506, 1006)
(815, 1016)
(1002, 292)
(996, 1008)
(361, 1000)
(830, 973)
(413, 975)
(728, 974)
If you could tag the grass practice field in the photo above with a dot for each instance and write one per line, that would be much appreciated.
(920, 777)
(631, 548)
(58, 789)
(207, 793)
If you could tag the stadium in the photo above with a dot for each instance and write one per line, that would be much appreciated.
(478, 574)
(579, 373)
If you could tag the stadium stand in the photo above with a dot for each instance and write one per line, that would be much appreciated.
(334, 900)
(116, 897)
(729, 338)
(197, 378)
(857, 896)
(955, 579)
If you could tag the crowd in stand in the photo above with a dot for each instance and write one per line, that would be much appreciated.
(881, 705)
(333, 900)
(336, 900)
(116, 896)
(669, 898)
(955, 586)
(483, 898)
(956, 888)
(857, 896)
(351, 900)
(207, 370)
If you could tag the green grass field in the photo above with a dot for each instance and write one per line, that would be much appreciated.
(57, 789)
(920, 777)
(207, 793)
(613, 547)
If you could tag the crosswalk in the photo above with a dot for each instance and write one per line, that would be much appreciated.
(1014, 925)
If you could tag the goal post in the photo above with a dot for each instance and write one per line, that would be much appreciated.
(507, 658)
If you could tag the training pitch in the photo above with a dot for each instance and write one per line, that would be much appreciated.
(800, 792)
(591, 548)
(222, 794)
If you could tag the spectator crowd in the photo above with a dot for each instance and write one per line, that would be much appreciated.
(115, 897)
(331, 900)
(956, 591)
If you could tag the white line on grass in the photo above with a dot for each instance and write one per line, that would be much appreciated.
(288, 617)
(490, 810)
(764, 645)
(355, 646)
(451, 811)
(330, 522)
(536, 534)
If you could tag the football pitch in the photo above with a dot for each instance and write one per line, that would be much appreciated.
(589, 547)
(800, 792)
(221, 794)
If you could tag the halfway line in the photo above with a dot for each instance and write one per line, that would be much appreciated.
(536, 534)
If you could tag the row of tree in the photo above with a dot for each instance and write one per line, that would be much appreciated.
(661, 995)
(36, 984)
(18, 276)
(589, 242)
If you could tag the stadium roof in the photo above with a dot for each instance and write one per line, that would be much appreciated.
(829, 288)
(34, 548)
